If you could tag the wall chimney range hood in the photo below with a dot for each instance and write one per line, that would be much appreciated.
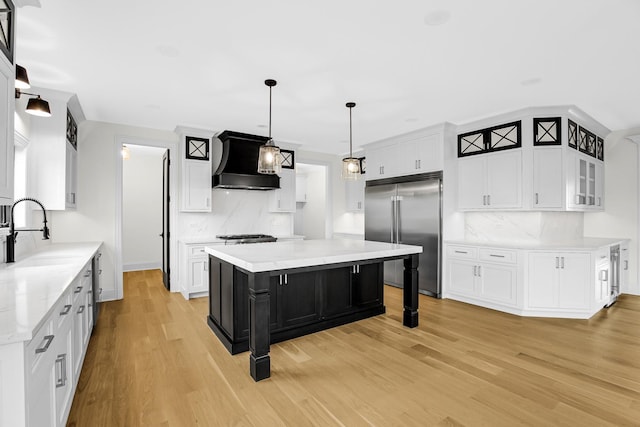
(239, 163)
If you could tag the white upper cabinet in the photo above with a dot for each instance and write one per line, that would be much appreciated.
(354, 195)
(301, 188)
(196, 160)
(490, 181)
(559, 165)
(7, 108)
(548, 178)
(409, 154)
(284, 198)
(53, 146)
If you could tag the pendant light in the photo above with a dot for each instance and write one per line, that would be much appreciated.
(269, 156)
(35, 106)
(350, 165)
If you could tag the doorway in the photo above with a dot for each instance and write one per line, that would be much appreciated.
(167, 248)
(312, 208)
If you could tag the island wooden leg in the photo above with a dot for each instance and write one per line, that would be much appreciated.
(259, 338)
(410, 292)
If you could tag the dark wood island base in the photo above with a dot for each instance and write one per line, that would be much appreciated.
(249, 310)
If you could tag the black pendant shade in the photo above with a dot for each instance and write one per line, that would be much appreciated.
(38, 107)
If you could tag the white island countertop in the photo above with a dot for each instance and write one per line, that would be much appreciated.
(273, 256)
(31, 287)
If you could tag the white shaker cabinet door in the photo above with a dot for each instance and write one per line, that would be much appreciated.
(504, 179)
(471, 183)
(548, 178)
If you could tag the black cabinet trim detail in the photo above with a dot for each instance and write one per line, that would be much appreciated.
(287, 159)
(600, 149)
(586, 141)
(197, 148)
(496, 138)
(547, 131)
(573, 134)
(72, 130)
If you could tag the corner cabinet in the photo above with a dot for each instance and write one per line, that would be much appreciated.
(535, 159)
(284, 198)
(196, 169)
(53, 146)
(7, 108)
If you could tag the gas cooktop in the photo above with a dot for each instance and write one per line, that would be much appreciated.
(234, 239)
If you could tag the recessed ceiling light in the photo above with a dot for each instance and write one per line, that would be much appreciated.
(437, 17)
(531, 81)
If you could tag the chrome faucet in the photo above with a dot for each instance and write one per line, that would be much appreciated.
(13, 233)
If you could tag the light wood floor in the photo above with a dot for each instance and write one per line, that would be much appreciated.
(154, 361)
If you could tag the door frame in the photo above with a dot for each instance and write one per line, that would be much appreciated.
(172, 146)
(328, 190)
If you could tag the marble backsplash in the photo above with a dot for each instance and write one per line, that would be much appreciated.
(236, 212)
(523, 227)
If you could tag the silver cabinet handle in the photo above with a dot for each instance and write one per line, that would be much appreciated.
(537, 198)
(604, 275)
(488, 199)
(61, 370)
(81, 309)
(626, 264)
(87, 273)
(484, 200)
(66, 310)
(475, 270)
(562, 263)
(461, 252)
(78, 290)
(479, 271)
(48, 339)
(557, 262)
(496, 256)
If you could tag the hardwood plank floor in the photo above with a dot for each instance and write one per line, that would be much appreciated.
(154, 361)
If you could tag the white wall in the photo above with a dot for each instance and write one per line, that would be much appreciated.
(311, 215)
(95, 216)
(142, 208)
(620, 218)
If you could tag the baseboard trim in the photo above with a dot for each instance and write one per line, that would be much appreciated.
(142, 266)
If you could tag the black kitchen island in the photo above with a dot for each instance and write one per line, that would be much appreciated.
(265, 293)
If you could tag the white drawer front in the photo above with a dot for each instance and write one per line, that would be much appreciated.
(498, 255)
(463, 252)
(197, 251)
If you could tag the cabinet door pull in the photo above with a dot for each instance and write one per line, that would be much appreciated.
(45, 347)
(280, 280)
(479, 271)
(626, 264)
(562, 262)
(557, 262)
(488, 199)
(66, 310)
(87, 273)
(604, 275)
(78, 290)
(496, 256)
(475, 270)
(81, 309)
(461, 252)
(61, 370)
(536, 198)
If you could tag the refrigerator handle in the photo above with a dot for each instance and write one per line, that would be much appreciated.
(393, 218)
(397, 222)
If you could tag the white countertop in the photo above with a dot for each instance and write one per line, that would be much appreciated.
(585, 243)
(258, 257)
(31, 287)
(215, 241)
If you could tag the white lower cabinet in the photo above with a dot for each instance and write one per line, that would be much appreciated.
(560, 283)
(624, 267)
(194, 265)
(484, 274)
(559, 280)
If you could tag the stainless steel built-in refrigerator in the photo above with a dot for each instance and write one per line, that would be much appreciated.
(407, 210)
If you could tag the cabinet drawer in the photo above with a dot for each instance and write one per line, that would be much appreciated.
(463, 252)
(197, 251)
(64, 309)
(498, 255)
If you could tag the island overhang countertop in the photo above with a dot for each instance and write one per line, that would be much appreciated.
(275, 256)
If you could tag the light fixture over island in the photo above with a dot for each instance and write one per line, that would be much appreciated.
(270, 292)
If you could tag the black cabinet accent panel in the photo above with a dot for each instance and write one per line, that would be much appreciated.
(495, 138)
(600, 148)
(547, 131)
(573, 135)
(586, 141)
(287, 159)
(72, 130)
(197, 148)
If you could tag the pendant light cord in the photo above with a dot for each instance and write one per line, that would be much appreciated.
(350, 134)
(269, 112)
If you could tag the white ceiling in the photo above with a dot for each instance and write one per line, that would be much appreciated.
(199, 63)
